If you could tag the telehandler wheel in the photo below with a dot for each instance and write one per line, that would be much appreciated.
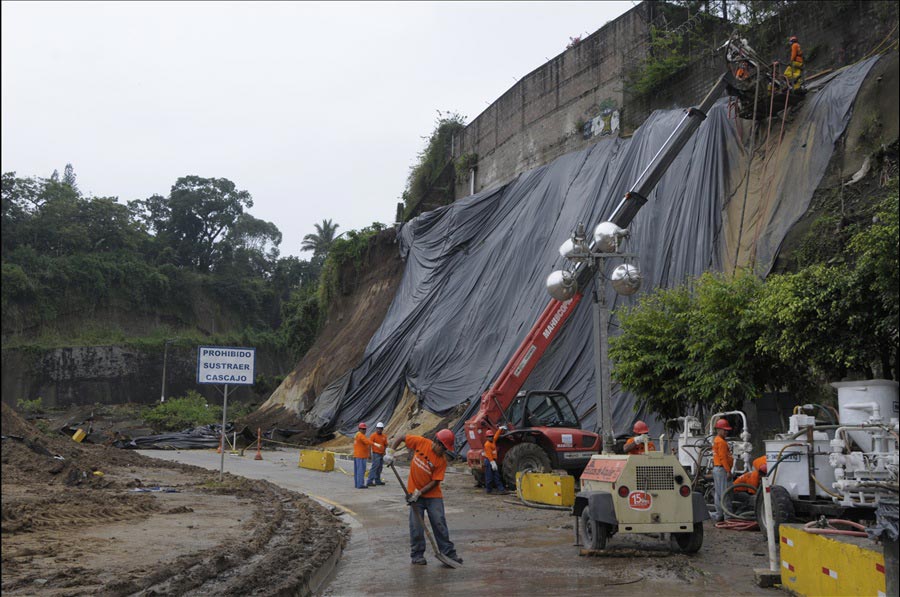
(524, 457)
(479, 477)
(782, 508)
(690, 542)
(595, 533)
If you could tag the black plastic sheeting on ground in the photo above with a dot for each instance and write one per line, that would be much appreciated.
(207, 436)
(475, 270)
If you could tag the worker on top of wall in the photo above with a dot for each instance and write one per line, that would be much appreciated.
(489, 462)
(794, 71)
(722, 463)
(635, 445)
(361, 446)
(379, 446)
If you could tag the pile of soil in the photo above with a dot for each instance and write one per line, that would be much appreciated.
(281, 424)
(90, 519)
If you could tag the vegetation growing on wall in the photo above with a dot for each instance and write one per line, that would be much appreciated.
(464, 164)
(425, 176)
(723, 340)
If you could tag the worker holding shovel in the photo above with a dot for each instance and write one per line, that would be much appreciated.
(423, 491)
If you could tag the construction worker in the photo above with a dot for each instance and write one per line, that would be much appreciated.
(794, 71)
(426, 471)
(379, 447)
(751, 477)
(722, 463)
(742, 497)
(491, 472)
(361, 446)
(635, 445)
(743, 71)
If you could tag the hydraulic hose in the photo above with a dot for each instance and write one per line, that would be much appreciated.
(815, 527)
(723, 503)
(780, 458)
(825, 489)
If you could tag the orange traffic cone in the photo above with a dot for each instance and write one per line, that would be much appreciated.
(258, 441)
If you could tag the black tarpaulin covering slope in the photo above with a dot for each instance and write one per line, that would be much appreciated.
(474, 279)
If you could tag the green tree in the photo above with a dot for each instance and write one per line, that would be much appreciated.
(69, 178)
(841, 318)
(196, 217)
(650, 356)
(320, 242)
(698, 348)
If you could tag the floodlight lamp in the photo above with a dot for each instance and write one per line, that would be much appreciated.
(561, 285)
(626, 279)
(607, 235)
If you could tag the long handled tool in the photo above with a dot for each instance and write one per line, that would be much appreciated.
(444, 559)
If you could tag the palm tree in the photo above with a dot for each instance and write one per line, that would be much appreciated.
(321, 241)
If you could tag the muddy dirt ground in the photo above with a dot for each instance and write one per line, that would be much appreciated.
(91, 520)
(86, 519)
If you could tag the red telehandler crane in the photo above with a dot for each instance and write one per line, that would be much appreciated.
(543, 429)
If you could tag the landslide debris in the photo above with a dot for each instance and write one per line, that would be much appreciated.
(90, 519)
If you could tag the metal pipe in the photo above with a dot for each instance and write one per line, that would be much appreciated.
(224, 410)
(725, 414)
(770, 523)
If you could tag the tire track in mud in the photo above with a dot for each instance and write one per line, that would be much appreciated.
(290, 542)
(70, 511)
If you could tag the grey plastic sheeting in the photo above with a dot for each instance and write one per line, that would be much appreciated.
(474, 279)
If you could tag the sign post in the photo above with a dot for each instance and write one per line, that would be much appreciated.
(227, 365)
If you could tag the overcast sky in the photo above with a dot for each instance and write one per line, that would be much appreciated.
(317, 109)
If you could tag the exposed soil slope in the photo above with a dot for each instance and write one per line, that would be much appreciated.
(366, 294)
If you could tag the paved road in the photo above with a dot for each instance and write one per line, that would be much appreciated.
(508, 549)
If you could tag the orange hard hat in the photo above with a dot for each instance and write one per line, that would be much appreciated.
(362, 425)
(641, 427)
(446, 437)
(723, 424)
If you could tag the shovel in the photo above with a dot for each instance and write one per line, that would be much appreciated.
(437, 553)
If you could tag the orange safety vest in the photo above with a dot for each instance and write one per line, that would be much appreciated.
(651, 447)
(722, 454)
(796, 55)
(490, 448)
(426, 466)
(361, 445)
(379, 442)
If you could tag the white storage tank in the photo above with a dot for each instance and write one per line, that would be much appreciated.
(859, 400)
(793, 472)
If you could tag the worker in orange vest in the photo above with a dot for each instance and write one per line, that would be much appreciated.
(722, 463)
(379, 446)
(489, 463)
(742, 497)
(635, 445)
(794, 71)
(426, 471)
(361, 446)
(751, 477)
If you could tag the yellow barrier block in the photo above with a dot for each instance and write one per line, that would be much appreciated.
(828, 565)
(547, 488)
(317, 460)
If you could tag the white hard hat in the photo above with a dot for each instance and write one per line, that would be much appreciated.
(379, 424)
